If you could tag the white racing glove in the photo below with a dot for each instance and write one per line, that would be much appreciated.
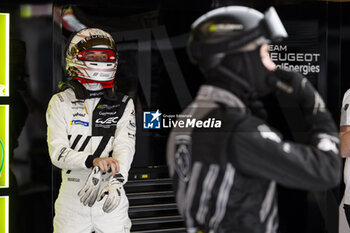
(113, 192)
(88, 194)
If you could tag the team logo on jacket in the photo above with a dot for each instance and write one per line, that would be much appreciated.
(78, 114)
(78, 104)
(106, 123)
(183, 156)
(107, 113)
(96, 94)
(151, 120)
(106, 117)
(108, 107)
(79, 122)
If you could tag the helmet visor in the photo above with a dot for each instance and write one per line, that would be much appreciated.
(95, 54)
(89, 43)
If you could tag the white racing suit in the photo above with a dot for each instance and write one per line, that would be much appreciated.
(78, 131)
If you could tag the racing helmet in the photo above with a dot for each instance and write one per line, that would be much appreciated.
(231, 29)
(81, 66)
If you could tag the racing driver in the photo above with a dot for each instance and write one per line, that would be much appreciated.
(91, 138)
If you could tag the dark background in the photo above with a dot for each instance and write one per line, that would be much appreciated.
(154, 69)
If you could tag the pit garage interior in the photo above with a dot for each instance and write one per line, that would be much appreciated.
(155, 71)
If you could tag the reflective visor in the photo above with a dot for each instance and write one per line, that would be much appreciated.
(90, 42)
(95, 54)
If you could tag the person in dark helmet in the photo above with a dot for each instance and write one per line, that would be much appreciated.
(225, 174)
(91, 137)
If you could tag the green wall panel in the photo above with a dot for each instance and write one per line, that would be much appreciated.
(4, 213)
(4, 54)
(4, 146)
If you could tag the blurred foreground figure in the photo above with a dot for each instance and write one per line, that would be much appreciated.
(226, 160)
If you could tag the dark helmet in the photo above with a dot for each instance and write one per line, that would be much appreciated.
(232, 29)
